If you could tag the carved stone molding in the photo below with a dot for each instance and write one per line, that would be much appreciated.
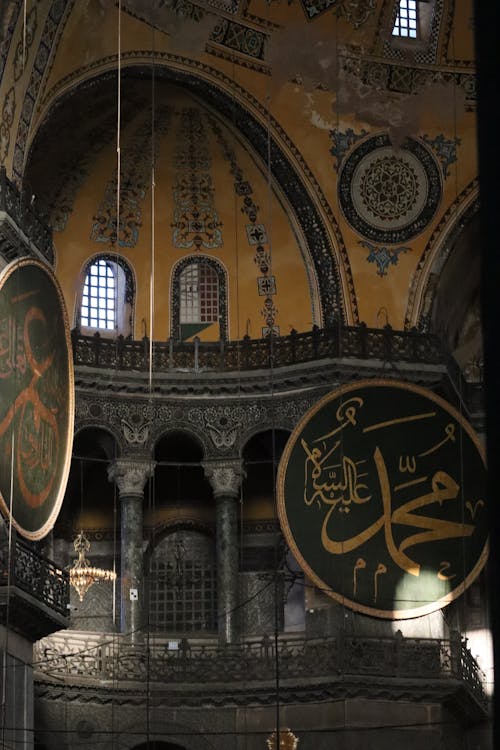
(226, 424)
(225, 477)
(130, 476)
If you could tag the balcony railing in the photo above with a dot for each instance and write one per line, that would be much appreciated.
(32, 229)
(35, 575)
(350, 342)
(83, 656)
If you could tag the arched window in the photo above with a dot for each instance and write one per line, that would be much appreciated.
(107, 297)
(99, 303)
(199, 298)
(199, 294)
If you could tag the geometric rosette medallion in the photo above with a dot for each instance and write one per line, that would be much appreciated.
(386, 194)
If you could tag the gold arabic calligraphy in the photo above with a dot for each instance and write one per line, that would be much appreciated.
(337, 481)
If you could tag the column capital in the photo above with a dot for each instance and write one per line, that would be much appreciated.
(130, 475)
(225, 477)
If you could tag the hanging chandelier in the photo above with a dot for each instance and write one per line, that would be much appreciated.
(287, 740)
(82, 574)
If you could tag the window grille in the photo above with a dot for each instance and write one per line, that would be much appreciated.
(98, 308)
(183, 597)
(199, 294)
(405, 24)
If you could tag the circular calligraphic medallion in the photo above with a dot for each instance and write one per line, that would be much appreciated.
(36, 397)
(382, 499)
(389, 195)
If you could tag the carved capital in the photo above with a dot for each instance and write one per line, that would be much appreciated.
(130, 476)
(225, 477)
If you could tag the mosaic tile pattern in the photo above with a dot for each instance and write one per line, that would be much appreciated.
(196, 223)
(8, 111)
(404, 79)
(356, 12)
(383, 256)
(256, 235)
(135, 176)
(239, 38)
(23, 47)
(24, 44)
(445, 150)
(227, 33)
(54, 23)
(342, 142)
(7, 32)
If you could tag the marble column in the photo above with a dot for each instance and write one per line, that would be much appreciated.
(131, 476)
(225, 478)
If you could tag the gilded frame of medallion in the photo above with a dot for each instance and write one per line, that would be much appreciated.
(395, 614)
(65, 463)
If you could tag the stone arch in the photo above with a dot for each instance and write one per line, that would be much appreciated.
(90, 497)
(450, 301)
(325, 256)
(161, 731)
(440, 247)
(183, 428)
(180, 489)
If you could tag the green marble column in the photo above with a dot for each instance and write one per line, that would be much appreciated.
(131, 476)
(225, 478)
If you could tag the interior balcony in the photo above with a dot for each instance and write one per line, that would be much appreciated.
(199, 672)
(34, 591)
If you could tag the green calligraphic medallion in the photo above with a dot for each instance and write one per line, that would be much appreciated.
(36, 397)
(382, 499)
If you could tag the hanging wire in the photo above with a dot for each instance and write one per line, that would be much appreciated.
(9, 570)
(11, 496)
(463, 609)
(24, 33)
(116, 637)
(146, 615)
(118, 125)
(278, 600)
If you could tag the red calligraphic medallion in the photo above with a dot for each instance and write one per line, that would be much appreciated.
(382, 498)
(36, 397)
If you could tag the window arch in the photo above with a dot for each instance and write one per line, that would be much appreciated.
(107, 296)
(199, 297)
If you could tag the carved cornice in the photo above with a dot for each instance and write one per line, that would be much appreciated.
(338, 687)
(247, 385)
